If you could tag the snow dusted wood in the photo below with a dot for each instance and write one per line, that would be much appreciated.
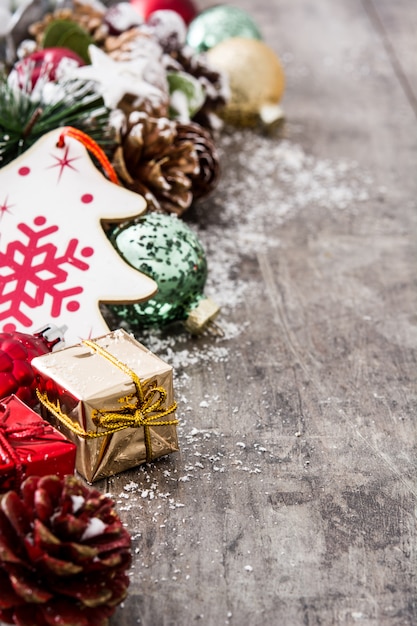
(291, 500)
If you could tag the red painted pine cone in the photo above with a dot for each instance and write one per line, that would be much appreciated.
(63, 554)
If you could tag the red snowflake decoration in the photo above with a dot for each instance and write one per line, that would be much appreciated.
(34, 270)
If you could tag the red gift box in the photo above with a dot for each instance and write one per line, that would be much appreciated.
(29, 446)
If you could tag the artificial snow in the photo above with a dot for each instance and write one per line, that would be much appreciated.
(95, 527)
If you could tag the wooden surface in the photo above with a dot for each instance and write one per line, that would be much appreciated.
(292, 499)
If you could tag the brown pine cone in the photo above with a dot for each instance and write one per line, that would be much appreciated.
(132, 44)
(63, 554)
(205, 181)
(89, 17)
(150, 160)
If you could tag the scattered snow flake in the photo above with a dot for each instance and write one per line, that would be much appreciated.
(185, 479)
(132, 486)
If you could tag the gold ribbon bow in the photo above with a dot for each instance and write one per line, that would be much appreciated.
(140, 408)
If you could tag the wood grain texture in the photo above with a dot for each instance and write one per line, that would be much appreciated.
(292, 501)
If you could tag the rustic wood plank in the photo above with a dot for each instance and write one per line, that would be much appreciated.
(397, 26)
(291, 500)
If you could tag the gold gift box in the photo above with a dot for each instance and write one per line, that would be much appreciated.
(113, 398)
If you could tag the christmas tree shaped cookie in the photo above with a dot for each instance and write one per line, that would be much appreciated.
(56, 262)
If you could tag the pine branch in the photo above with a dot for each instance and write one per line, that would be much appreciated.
(24, 118)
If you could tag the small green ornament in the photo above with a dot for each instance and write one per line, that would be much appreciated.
(186, 95)
(218, 23)
(166, 249)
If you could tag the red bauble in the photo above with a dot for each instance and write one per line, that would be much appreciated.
(185, 8)
(44, 62)
(16, 352)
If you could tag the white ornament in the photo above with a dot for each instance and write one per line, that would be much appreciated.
(56, 262)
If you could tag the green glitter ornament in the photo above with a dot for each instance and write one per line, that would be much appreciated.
(218, 23)
(166, 249)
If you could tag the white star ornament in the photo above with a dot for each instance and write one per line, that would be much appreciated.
(115, 79)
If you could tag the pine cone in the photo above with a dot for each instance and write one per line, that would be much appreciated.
(151, 161)
(63, 554)
(205, 181)
(132, 44)
(89, 17)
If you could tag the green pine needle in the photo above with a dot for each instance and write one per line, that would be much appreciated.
(23, 120)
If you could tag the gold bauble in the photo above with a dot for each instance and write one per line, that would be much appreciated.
(256, 80)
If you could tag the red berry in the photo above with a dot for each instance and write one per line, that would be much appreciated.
(23, 373)
(16, 352)
(8, 384)
(14, 349)
(6, 363)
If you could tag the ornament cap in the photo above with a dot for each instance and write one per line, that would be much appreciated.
(52, 335)
(202, 316)
(271, 114)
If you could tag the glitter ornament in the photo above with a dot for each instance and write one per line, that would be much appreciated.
(218, 23)
(168, 251)
(185, 8)
(256, 81)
